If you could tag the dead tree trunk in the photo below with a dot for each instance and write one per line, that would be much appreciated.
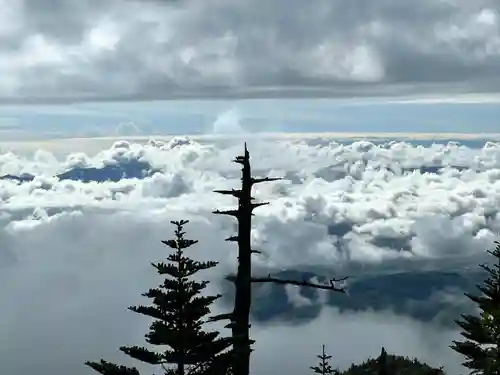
(240, 316)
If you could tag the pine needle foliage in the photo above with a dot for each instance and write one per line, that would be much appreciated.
(178, 310)
(323, 367)
(481, 347)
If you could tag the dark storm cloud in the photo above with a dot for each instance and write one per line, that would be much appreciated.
(59, 49)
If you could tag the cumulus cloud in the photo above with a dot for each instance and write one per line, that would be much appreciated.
(351, 339)
(56, 50)
(75, 254)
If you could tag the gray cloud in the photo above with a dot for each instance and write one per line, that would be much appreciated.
(62, 50)
(79, 253)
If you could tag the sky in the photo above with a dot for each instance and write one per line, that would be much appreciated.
(85, 84)
(468, 115)
(56, 50)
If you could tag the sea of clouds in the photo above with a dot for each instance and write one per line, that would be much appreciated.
(76, 251)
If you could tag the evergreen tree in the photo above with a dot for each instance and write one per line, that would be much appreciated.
(396, 365)
(383, 366)
(324, 367)
(178, 310)
(482, 333)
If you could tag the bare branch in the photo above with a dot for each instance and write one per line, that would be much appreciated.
(240, 160)
(255, 251)
(255, 205)
(164, 368)
(234, 213)
(305, 283)
(232, 238)
(235, 193)
(218, 317)
(265, 179)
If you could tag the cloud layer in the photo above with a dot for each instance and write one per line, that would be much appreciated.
(149, 49)
(74, 254)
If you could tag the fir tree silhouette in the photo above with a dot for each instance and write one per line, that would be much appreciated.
(482, 333)
(324, 367)
(383, 366)
(240, 316)
(178, 310)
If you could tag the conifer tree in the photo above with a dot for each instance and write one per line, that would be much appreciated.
(324, 367)
(383, 368)
(482, 333)
(178, 310)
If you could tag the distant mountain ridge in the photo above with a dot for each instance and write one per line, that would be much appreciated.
(423, 295)
(112, 173)
(135, 169)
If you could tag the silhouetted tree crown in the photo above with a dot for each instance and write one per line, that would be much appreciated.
(178, 310)
(383, 368)
(324, 367)
(393, 364)
(482, 332)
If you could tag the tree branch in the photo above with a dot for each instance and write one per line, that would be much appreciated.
(235, 193)
(265, 179)
(305, 283)
(255, 205)
(234, 213)
(226, 316)
(240, 160)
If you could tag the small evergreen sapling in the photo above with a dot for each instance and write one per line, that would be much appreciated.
(482, 333)
(178, 310)
(324, 367)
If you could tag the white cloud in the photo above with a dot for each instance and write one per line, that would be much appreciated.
(351, 339)
(74, 255)
(155, 49)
